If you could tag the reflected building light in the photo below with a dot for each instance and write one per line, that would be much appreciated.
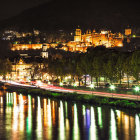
(8, 116)
(67, 126)
(126, 124)
(84, 110)
(76, 134)
(21, 114)
(113, 128)
(45, 112)
(8, 108)
(7, 99)
(100, 117)
(93, 131)
(126, 121)
(84, 114)
(21, 102)
(15, 99)
(33, 102)
(137, 130)
(15, 119)
(39, 119)
(87, 118)
(118, 112)
(61, 122)
(11, 98)
(29, 119)
(49, 113)
(53, 113)
(67, 120)
(1, 110)
(48, 119)
(66, 109)
(1, 100)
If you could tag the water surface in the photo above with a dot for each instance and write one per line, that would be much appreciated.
(36, 118)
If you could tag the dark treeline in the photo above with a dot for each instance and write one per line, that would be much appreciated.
(5, 67)
(97, 62)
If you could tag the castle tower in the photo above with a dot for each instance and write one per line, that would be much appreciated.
(128, 32)
(88, 36)
(88, 32)
(78, 35)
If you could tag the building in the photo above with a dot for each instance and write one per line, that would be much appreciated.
(20, 70)
(26, 47)
(44, 52)
(91, 38)
(81, 42)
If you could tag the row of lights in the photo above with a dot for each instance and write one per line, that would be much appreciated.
(112, 87)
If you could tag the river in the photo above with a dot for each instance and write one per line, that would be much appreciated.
(36, 118)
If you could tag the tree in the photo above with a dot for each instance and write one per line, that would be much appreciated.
(135, 63)
(5, 67)
(84, 65)
(96, 65)
(4, 49)
(119, 67)
(127, 68)
(35, 71)
(78, 71)
(109, 67)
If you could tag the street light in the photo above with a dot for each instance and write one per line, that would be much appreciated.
(112, 87)
(137, 89)
(61, 84)
(75, 85)
(92, 87)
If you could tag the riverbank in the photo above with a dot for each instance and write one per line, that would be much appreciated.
(85, 98)
(126, 91)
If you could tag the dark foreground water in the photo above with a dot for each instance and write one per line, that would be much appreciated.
(26, 117)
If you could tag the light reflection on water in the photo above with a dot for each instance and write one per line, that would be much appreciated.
(113, 129)
(27, 117)
(93, 132)
(39, 119)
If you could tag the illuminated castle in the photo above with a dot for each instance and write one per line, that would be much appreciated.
(105, 38)
(81, 41)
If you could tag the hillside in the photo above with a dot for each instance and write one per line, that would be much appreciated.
(67, 14)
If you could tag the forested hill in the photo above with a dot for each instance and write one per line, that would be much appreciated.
(67, 14)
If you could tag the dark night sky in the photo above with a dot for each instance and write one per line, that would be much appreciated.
(9, 8)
